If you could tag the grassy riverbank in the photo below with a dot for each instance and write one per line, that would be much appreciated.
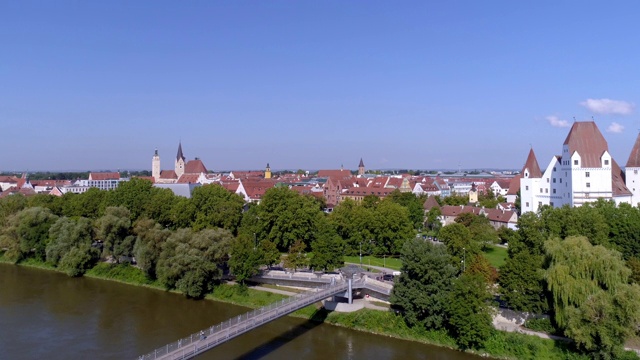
(502, 345)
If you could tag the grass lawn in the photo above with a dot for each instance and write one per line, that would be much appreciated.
(391, 263)
(496, 255)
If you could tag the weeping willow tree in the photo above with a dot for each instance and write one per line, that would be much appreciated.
(593, 301)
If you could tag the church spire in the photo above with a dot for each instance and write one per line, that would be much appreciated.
(180, 155)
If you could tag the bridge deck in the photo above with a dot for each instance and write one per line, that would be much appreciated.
(207, 339)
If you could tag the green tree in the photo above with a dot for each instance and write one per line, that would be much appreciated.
(217, 208)
(134, 194)
(422, 291)
(327, 248)
(593, 300)
(69, 246)
(51, 202)
(183, 213)
(284, 216)
(245, 258)
(459, 242)
(160, 205)
(634, 265)
(11, 205)
(90, 204)
(391, 228)
(433, 222)
(150, 237)
(270, 253)
(522, 284)
(479, 265)
(296, 258)
(469, 314)
(33, 231)
(113, 229)
(412, 203)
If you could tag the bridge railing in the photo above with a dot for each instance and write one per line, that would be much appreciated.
(216, 334)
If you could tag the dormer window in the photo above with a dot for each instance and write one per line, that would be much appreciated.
(606, 162)
(575, 162)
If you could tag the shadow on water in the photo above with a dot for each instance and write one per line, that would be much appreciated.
(274, 344)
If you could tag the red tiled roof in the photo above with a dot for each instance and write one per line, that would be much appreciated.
(149, 178)
(586, 139)
(104, 176)
(514, 185)
(430, 203)
(188, 178)
(195, 167)
(618, 186)
(230, 185)
(492, 214)
(634, 157)
(168, 174)
(358, 191)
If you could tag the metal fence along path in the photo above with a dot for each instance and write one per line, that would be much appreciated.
(209, 338)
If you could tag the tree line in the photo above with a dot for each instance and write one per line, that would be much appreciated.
(578, 265)
(187, 243)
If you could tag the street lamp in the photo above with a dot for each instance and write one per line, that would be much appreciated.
(360, 253)
(464, 256)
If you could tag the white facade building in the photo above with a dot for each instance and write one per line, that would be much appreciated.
(585, 172)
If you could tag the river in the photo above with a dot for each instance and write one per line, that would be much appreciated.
(48, 315)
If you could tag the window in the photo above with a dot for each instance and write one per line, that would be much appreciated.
(527, 204)
(588, 185)
(635, 172)
(560, 180)
(547, 180)
(526, 187)
(554, 169)
(586, 195)
(554, 180)
(554, 191)
(540, 190)
(587, 174)
(606, 162)
(551, 203)
(575, 162)
(546, 191)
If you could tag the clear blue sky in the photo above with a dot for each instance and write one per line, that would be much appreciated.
(312, 84)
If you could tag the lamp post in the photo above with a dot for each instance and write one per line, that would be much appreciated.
(360, 253)
(464, 256)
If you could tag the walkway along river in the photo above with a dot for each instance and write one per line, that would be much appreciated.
(44, 314)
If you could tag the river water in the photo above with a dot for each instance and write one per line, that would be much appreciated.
(48, 315)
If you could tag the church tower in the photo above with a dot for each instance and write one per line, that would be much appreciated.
(155, 166)
(361, 168)
(473, 194)
(179, 161)
(267, 172)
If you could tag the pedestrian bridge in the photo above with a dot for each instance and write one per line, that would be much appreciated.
(206, 339)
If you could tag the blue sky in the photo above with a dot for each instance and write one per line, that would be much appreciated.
(312, 84)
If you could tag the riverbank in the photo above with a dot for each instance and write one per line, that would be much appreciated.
(501, 345)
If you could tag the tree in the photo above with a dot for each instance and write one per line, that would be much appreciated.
(150, 238)
(391, 227)
(522, 284)
(459, 242)
(327, 248)
(296, 258)
(433, 220)
(354, 223)
(422, 290)
(245, 258)
(284, 216)
(69, 246)
(33, 231)
(189, 261)
(160, 205)
(270, 253)
(217, 208)
(134, 194)
(634, 265)
(412, 203)
(593, 300)
(469, 316)
(90, 204)
(113, 230)
(479, 265)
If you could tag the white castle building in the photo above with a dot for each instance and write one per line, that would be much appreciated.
(585, 172)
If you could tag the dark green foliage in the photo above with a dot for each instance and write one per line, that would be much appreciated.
(69, 246)
(90, 204)
(189, 261)
(284, 216)
(11, 205)
(412, 203)
(328, 248)
(468, 311)
(542, 325)
(453, 199)
(270, 253)
(433, 220)
(134, 195)
(245, 258)
(160, 205)
(33, 231)
(391, 228)
(113, 229)
(459, 242)
(150, 237)
(216, 208)
(522, 284)
(79, 259)
(634, 265)
(296, 258)
(51, 202)
(422, 290)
